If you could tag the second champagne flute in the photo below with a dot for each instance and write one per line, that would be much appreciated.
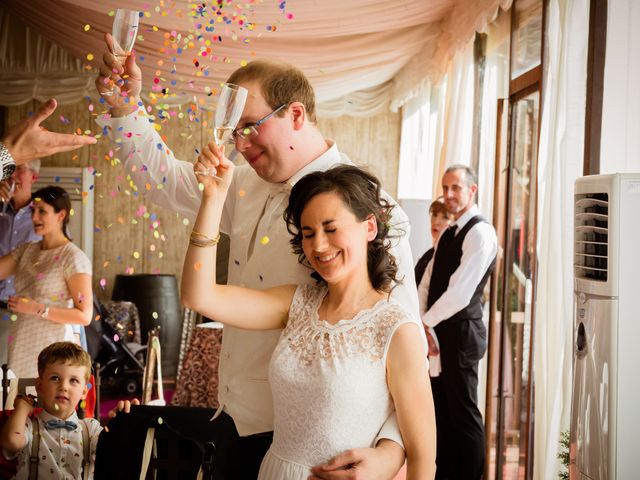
(228, 112)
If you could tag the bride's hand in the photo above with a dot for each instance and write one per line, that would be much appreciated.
(213, 162)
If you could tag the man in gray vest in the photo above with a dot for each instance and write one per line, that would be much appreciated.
(450, 295)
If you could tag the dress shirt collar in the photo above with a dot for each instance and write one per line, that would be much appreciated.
(325, 161)
(46, 416)
(468, 215)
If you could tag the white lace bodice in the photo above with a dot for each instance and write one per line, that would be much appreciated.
(329, 381)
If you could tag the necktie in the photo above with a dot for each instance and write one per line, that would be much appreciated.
(448, 235)
(274, 207)
(57, 423)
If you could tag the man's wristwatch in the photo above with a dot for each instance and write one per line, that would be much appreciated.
(7, 163)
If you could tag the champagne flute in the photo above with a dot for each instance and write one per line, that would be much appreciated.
(124, 32)
(228, 112)
(5, 205)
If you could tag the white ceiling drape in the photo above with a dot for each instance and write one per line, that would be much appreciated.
(362, 56)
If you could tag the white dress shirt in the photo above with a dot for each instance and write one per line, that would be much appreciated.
(479, 248)
(260, 254)
(61, 451)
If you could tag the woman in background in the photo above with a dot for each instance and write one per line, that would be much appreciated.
(440, 220)
(52, 283)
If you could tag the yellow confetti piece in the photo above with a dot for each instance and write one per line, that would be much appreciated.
(200, 187)
(185, 221)
(90, 56)
(264, 240)
(155, 315)
(56, 406)
(87, 28)
(136, 255)
(13, 317)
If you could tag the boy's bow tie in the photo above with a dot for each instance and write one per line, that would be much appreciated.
(57, 423)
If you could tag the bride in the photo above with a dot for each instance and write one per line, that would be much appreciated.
(349, 354)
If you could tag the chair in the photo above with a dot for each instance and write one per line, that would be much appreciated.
(12, 386)
(153, 363)
(165, 443)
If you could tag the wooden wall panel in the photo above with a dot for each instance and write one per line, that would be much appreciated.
(124, 240)
(373, 142)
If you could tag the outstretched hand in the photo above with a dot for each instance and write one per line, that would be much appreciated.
(213, 170)
(27, 139)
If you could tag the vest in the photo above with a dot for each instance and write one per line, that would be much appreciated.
(421, 266)
(446, 262)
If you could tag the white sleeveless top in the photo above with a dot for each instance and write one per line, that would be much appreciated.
(329, 383)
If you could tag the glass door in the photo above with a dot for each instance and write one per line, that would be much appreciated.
(511, 403)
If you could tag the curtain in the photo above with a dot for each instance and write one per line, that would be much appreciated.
(421, 139)
(456, 31)
(457, 118)
(351, 51)
(495, 86)
(620, 146)
(560, 163)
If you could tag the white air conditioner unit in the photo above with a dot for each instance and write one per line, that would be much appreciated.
(605, 413)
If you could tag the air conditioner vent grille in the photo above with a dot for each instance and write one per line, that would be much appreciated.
(591, 249)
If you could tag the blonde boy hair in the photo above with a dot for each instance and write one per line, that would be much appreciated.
(280, 84)
(64, 352)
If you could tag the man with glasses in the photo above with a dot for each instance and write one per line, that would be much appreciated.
(16, 228)
(278, 138)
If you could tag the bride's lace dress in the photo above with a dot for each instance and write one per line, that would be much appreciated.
(328, 383)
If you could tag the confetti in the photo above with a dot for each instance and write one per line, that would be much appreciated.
(264, 240)
(87, 28)
(197, 266)
(155, 315)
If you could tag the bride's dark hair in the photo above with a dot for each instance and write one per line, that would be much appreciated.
(361, 193)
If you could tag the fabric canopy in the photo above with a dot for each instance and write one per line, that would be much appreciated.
(362, 56)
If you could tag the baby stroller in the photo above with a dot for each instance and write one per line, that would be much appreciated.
(121, 363)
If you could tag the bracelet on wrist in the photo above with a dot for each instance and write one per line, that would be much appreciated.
(30, 399)
(7, 163)
(43, 311)
(198, 239)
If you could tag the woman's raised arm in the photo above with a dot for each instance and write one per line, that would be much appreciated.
(232, 305)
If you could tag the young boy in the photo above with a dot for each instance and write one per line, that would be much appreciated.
(63, 372)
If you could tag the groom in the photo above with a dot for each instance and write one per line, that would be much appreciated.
(281, 143)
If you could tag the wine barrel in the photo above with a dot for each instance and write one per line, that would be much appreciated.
(156, 297)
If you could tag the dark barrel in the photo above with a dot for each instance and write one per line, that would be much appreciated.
(159, 294)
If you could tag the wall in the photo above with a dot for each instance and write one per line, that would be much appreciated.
(127, 238)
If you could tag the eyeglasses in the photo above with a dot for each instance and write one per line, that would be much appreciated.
(251, 130)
